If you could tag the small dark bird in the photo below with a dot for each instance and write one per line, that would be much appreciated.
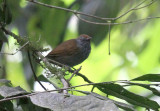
(72, 52)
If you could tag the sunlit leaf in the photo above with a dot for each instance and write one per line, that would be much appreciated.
(154, 91)
(120, 92)
(148, 77)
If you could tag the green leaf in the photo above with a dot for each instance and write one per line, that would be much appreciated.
(148, 77)
(27, 105)
(3, 38)
(42, 78)
(154, 91)
(119, 92)
(52, 81)
(124, 106)
(6, 105)
(6, 16)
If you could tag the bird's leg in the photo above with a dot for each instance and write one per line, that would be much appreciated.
(75, 72)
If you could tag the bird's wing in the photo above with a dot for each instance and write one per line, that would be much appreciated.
(66, 48)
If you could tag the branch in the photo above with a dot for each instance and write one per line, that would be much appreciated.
(75, 72)
(109, 46)
(34, 73)
(126, 22)
(70, 70)
(22, 40)
(69, 10)
(69, 88)
(18, 38)
(62, 79)
(135, 8)
(101, 18)
(17, 50)
(49, 66)
(65, 85)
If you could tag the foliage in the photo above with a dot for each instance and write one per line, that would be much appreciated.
(132, 68)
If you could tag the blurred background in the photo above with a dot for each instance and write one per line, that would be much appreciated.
(135, 48)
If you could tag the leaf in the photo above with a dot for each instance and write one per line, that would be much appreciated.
(6, 105)
(124, 106)
(148, 77)
(119, 104)
(58, 102)
(4, 81)
(27, 105)
(154, 91)
(42, 78)
(6, 16)
(118, 91)
(3, 38)
(6, 91)
(52, 80)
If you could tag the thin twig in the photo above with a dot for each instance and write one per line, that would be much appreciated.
(93, 16)
(57, 63)
(8, 32)
(136, 8)
(109, 46)
(101, 18)
(69, 10)
(68, 88)
(129, 83)
(16, 97)
(34, 73)
(126, 22)
(87, 21)
(28, 95)
(69, 69)
(65, 85)
(131, 9)
(39, 39)
(62, 79)
(152, 1)
(17, 50)
(75, 72)
(92, 88)
(17, 38)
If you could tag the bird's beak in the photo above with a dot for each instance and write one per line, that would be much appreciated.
(89, 38)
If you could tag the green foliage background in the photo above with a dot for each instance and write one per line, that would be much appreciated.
(135, 48)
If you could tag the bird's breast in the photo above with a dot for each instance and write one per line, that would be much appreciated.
(85, 49)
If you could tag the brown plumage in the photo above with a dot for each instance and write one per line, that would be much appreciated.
(66, 48)
(72, 52)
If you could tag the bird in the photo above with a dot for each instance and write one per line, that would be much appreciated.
(72, 52)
